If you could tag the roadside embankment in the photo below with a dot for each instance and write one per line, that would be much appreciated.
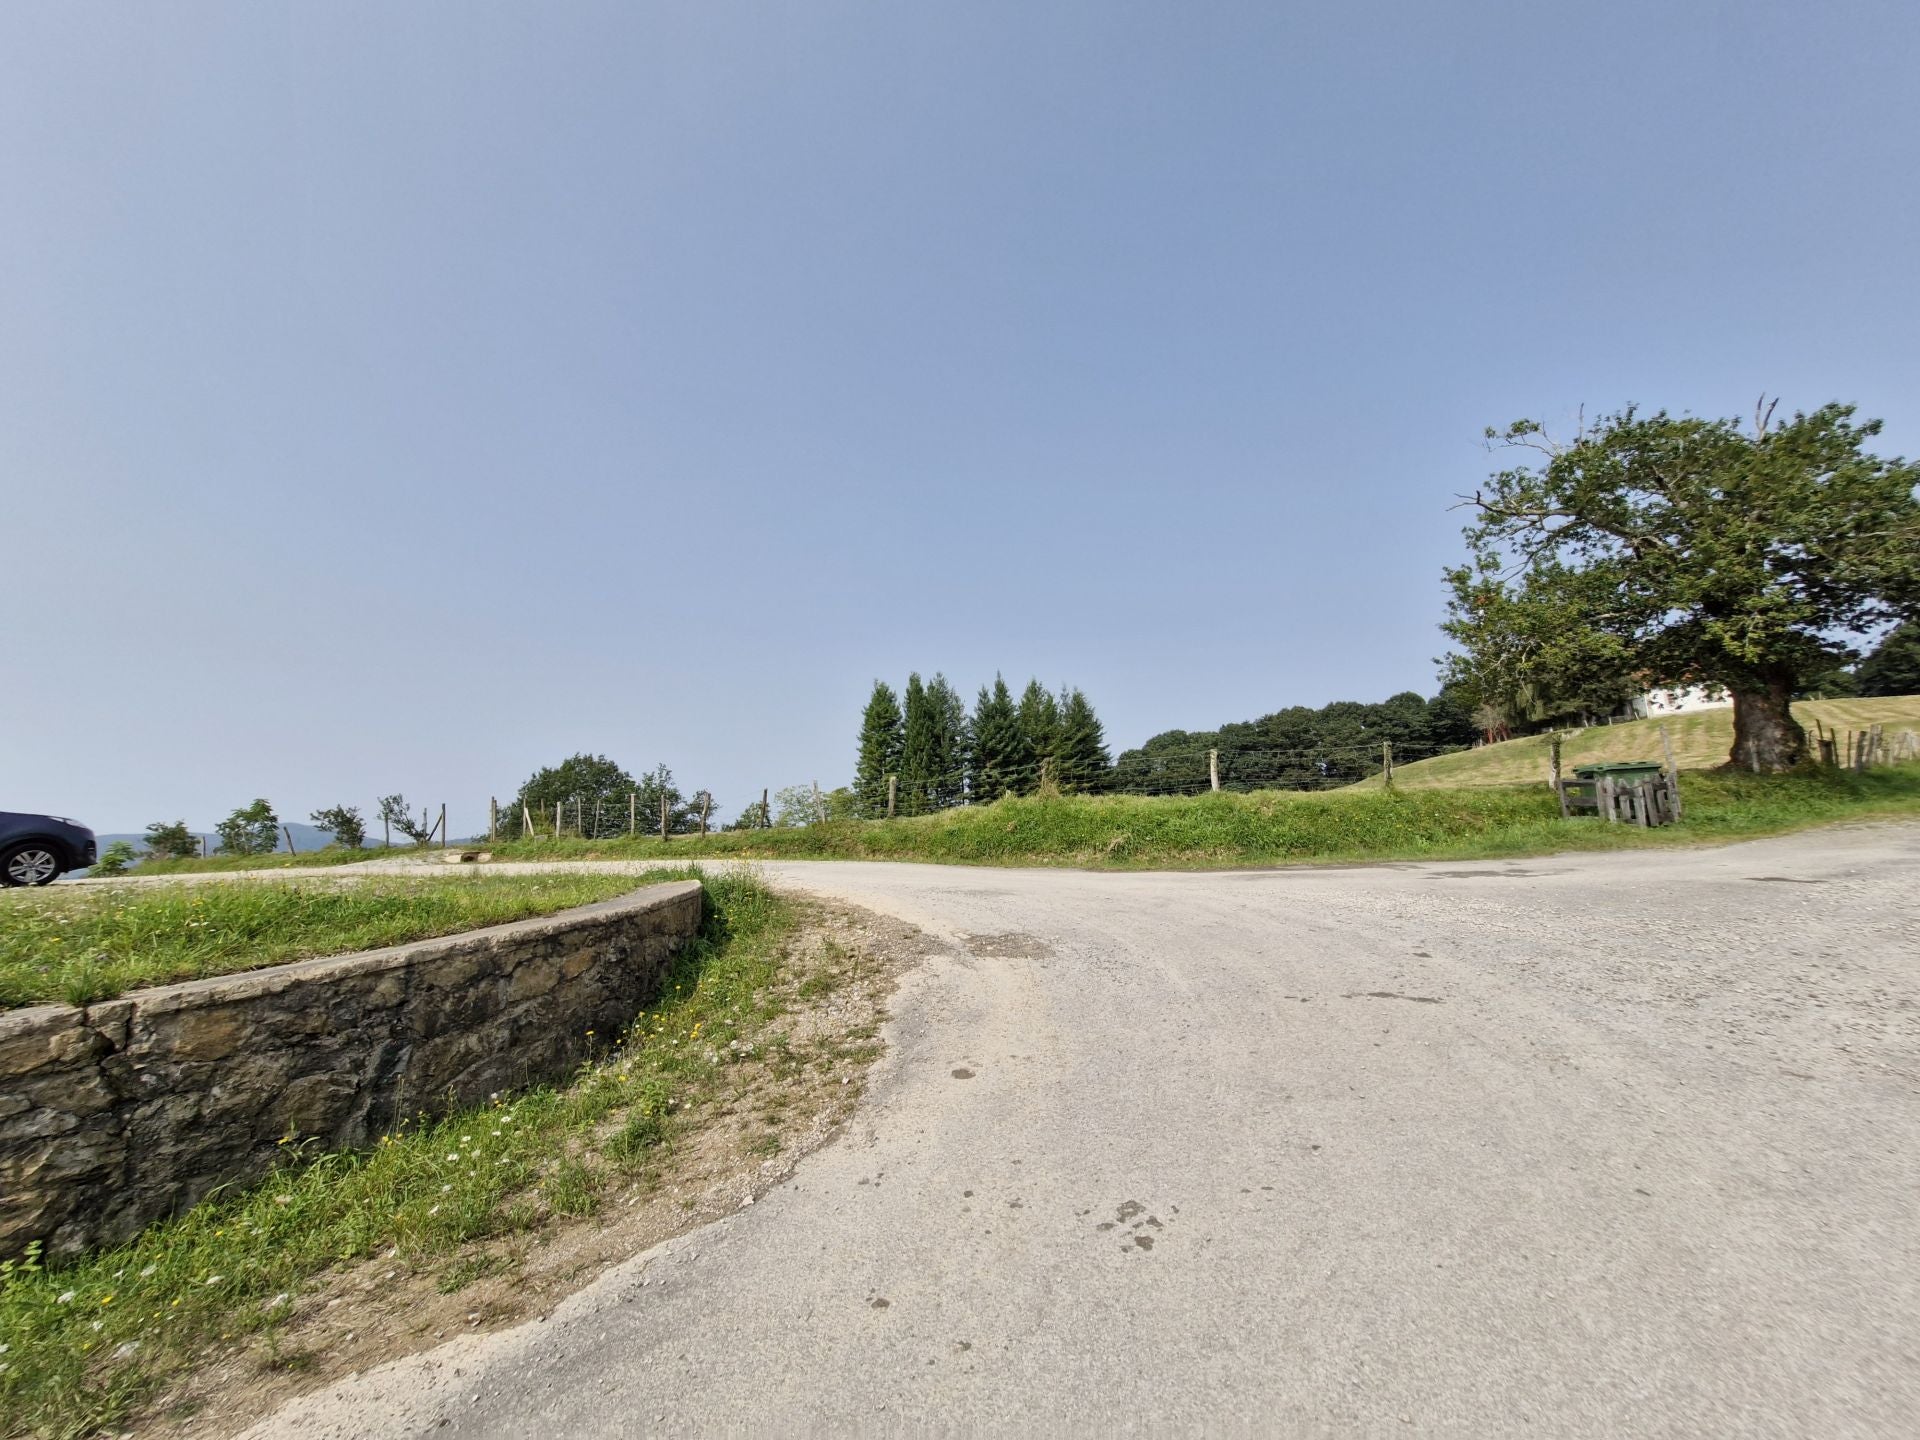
(122, 1112)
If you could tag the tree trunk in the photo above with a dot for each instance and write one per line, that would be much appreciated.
(1766, 737)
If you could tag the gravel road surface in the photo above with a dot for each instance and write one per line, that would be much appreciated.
(1588, 1145)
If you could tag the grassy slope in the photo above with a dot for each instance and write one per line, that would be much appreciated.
(83, 1340)
(1701, 740)
(80, 944)
(1278, 827)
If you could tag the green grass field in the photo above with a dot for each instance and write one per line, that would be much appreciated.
(82, 943)
(1283, 827)
(1701, 741)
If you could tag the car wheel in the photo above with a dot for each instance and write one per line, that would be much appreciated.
(30, 864)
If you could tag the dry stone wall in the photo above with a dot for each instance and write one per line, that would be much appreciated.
(121, 1113)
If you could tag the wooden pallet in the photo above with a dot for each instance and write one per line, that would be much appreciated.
(1654, 801)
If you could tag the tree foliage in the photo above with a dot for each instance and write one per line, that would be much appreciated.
(1000, 761)
(250, 830)
(1080, 753)
(587, 785)
(1894, 666)
(919, 744)
(655, 787)
(343, 823)
(799, 805)
(172, 842)
(751, 817)
(1676, 550)
(947, 776)
(1038, 716)
(880, 745)
(116, 859)
(1298, 748)
(394, 812)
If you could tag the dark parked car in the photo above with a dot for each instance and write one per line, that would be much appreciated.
(39, 849)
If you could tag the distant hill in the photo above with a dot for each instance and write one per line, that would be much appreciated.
(1701, 740)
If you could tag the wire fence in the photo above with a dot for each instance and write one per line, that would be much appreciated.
(632, 812)
(973, 780)
(1184, 771)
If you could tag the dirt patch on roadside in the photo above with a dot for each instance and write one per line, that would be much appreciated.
(841, 968)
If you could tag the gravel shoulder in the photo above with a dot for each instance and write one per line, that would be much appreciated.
(1583, 1145)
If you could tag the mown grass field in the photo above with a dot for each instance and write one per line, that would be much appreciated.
(82, 943)
(1701, 741)
(85, 1342)
(1284, 827)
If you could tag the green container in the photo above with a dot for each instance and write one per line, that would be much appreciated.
(1626, 772)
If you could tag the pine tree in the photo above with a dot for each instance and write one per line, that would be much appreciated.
(918, 742)
(1039, 720)
(998, 760)
(1083, 763)
(879, 750)
(949, 772)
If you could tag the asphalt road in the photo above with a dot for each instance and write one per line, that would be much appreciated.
(1590, 1145)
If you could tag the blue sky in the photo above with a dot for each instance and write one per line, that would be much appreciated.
(401, 398)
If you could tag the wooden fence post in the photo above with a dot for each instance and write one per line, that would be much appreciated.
(386, 831)
(633, 812)
(1553, 773)
(663, 816)
(493, 818)
(706, 804)
(1605, 790)
(1386, 763)
(893, 787)
(1213, 768)
(1673, 773)
(287, 830)
(766, 814)
(443, 824)
(819, 811)
(558, 806)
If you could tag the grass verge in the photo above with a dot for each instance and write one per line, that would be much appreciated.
(325, 856)
(243, 1280)
(1287, 827)
(83, 943)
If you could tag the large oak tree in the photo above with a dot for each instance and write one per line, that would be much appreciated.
(1687, 551)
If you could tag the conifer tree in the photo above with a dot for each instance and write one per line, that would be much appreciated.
(918, 742)
(1082, 761)
(1039, 720)
(880, 740)
(999, 752)
(949, 774)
